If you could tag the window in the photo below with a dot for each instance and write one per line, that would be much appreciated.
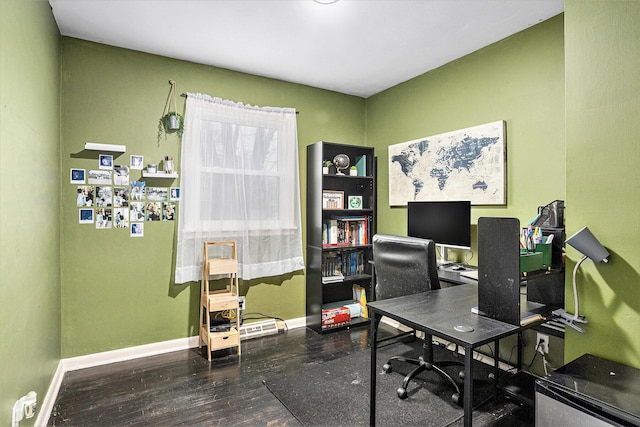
(239, 181)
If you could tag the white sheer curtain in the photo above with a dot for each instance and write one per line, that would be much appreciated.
(239, 180)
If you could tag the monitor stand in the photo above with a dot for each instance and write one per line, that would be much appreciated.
(443, 261)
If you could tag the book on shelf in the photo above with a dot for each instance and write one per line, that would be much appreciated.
(338, 265)
(360, 296)
(333, 279)
(361, 165)
(334, 317)
(346, 231)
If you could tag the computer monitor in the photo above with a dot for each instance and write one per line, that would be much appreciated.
(448, 224)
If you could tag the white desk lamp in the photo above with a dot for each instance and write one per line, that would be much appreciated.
(584, 241)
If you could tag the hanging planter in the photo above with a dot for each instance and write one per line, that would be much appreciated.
(171, 121)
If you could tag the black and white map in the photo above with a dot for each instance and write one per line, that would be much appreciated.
(466, 164)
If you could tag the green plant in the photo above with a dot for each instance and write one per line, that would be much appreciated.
(173, 122)
(327, 163)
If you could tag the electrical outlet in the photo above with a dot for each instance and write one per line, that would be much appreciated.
(25, 407)
(241, 301)
(542, 343)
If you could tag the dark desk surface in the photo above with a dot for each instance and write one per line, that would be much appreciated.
(438, 312)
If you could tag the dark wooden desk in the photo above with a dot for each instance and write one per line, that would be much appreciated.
(438, 312)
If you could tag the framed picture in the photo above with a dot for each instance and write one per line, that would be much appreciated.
(465, 164)
(77, 176)
(354, 202)
(332, 199)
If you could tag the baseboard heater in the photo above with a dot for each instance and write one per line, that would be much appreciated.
(258, 329)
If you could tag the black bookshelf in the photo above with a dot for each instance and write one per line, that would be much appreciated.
(338, 237)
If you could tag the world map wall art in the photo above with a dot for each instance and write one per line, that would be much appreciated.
(466, 164)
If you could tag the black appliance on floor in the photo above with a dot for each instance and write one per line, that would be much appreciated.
(589, 391)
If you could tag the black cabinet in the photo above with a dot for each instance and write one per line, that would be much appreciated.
(341, 207)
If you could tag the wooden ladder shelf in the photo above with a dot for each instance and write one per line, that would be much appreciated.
(219, 259)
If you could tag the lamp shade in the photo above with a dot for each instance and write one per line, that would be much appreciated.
(584, 241)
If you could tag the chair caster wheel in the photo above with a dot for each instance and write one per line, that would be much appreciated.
(387, 368)
(456, 398)
(402, 393)
(461, 375)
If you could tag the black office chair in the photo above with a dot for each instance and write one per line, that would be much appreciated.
(405, 266)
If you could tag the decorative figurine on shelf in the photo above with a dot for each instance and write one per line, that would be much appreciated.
(342, 162)
(168, 164)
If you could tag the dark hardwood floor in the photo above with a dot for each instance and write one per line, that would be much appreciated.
(183, 388)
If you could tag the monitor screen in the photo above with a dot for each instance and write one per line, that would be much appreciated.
(446, 223)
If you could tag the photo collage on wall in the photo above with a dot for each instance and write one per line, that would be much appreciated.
(108, 198)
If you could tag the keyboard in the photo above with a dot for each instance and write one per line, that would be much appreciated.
(471, 274)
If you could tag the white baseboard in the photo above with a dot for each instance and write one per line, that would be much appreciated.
(120, 355)
(300, 322)
(46, 407)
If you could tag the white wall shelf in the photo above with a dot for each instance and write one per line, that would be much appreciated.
(146, 174)
(95, 146)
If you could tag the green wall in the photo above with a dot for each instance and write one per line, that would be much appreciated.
(118, 291)
(603, 178)
(519, 80)
(29, 201)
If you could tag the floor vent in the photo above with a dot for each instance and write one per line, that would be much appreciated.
(258, 329)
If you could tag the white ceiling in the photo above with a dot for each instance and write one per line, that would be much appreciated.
(357, 47)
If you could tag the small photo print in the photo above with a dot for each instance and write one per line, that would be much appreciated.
(85, 216)
(105, 161)
(121, 217)
(104, 197)
(100, 177)
(103, 218)
(136, 211)
(78, 176)
(84, 195)
(136, 162)
(121, 175)
(137, 190)
(154, 211)
(174, 194)
(120, 197)
(168, 211)
(157, 194)
(137, 229)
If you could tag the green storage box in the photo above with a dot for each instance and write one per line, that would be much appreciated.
(531, 261)
(545, 248)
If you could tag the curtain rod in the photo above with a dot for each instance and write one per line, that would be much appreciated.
(184, 95)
